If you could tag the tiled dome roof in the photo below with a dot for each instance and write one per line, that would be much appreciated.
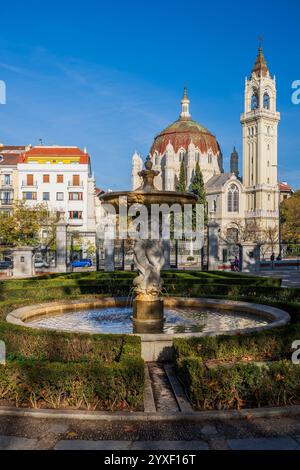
(181, 133)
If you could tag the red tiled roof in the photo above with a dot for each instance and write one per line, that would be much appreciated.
(56, 151)
(181, 133)
(10, 154)
(284, 187)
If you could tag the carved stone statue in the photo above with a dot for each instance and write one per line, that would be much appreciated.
(149, 260)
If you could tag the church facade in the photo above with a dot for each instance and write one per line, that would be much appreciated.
(232, 200)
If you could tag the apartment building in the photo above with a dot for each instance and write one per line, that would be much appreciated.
(9, 158)
(60, 177)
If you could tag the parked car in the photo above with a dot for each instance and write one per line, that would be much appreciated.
(5, 264)
(40, 263)
(82, 263)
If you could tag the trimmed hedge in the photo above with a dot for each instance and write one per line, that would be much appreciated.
(263, 345)
(240, 386)
(82, 386)
(53, 345)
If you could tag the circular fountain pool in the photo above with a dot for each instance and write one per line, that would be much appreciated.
(177, 320)
(183, 317)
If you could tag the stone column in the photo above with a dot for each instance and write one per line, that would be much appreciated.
(213, 245)
(109, 255)
(167, 254)
(61, 244)
(23, 262)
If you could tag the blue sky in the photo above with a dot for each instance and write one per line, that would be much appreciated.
(109, 75)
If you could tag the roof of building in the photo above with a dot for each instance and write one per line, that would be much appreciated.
(183, 132)
(260, 67)
(10, 154)
(284, 187)
(218, 181)
(55, 151)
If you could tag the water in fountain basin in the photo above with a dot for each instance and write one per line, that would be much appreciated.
(177, 320)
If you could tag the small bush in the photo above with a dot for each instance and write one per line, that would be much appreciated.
(239, 386)
(39, 384)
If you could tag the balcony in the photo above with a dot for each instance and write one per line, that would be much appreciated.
(6, 184)
(6, 201)
(72, 186)
(26, 184)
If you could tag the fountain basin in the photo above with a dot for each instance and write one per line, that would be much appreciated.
(158, 346)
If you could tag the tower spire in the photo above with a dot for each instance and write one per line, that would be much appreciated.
(260, 67)
(185, 105)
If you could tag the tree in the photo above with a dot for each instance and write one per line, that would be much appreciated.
(199, 190)
(23, 227)
(181, 186)
(290, 218)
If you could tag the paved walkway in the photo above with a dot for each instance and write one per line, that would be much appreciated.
(267, 434)
(290, 277)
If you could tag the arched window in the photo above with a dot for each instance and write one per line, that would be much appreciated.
(209, 157)
(156, 159)
(197, 157)
(254, 101)
(266, 101)
(181, 156)
(233, 199)
(214, 206)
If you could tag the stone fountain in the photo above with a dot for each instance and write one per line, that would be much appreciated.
(148, 307)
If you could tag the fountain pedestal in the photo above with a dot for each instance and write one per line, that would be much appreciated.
(148, 316)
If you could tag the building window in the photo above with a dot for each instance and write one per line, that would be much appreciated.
(209, 157)
(214, 208)
(181, 156)
(7, 197)
(59, 196)
(75, 196)
(76, 180)
(60, 178)
(29, 180)
(46, 178)
(233, 199)
(254, 101)
(266, 101)
(7, 180)
(75, 215)
(46, 196)
(197, 157)
(29, 196)
(268, 180)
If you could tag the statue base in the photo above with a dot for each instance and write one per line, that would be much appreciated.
(148, 316)
(148, 310)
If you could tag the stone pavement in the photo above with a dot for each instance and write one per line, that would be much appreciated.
(281, 433)
(290, 277)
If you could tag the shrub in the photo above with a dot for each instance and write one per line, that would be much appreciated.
(242, 385)
(262, 345)
(82, 386)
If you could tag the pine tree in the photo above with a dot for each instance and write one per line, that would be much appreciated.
(181, 186)
(199, 190)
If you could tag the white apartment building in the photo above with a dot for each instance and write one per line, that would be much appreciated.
(60, 177)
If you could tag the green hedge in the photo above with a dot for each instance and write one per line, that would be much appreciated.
(263, 345)
(52, 345)
(82, 386)
(242, 385)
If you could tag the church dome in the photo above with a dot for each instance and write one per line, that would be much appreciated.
(184, 131)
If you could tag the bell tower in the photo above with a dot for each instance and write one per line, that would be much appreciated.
(259, 123)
